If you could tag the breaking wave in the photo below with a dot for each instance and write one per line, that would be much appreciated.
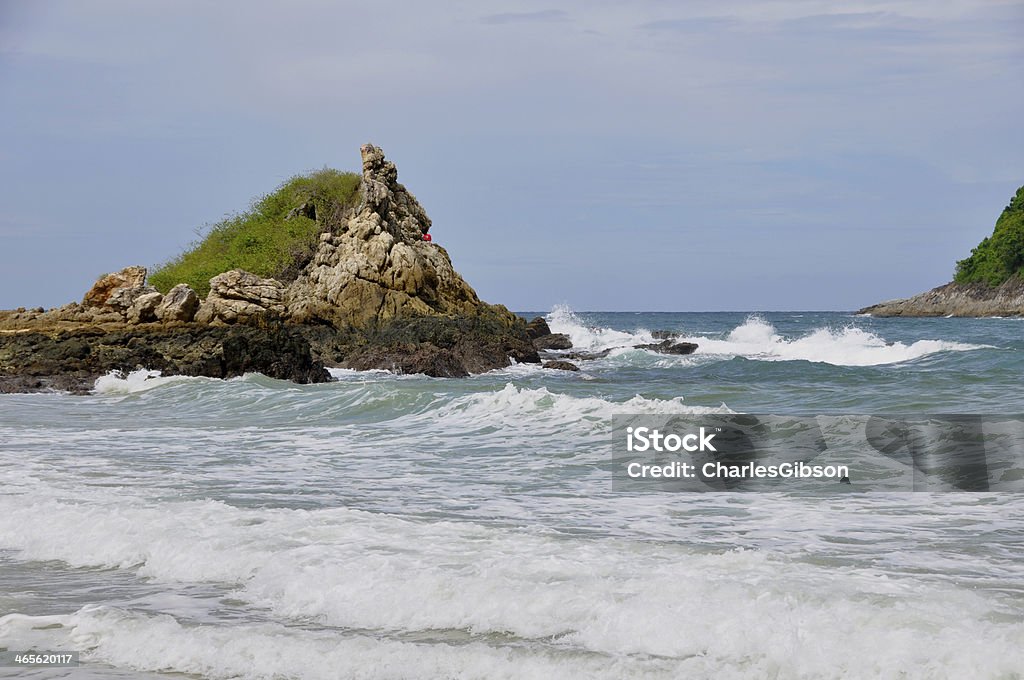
(370, 590)
(759, 340)
(141, 380)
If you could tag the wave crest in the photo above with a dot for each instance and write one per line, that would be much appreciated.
(757, 339)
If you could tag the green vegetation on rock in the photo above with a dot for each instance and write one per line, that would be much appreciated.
(276, 237)
(1001, 255)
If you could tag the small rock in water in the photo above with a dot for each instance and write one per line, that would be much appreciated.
(553, 341)
(588, 356)
(669, 347)
(538, 327)
(561, 365)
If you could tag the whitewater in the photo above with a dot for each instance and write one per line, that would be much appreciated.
(386, 526)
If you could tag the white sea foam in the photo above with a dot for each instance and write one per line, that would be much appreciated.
(850, 346)
(525, 599)
(132, 640)
(561, 319)
(141, 380)
(468, 529)
(523, 414)
(517, 370)
(373, 375)
(757, 339)
(353, 375)
(513, 403)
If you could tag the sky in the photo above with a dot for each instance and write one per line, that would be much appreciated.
(648, 156)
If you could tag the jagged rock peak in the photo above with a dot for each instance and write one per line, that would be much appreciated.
(384, 196)
(377, 265)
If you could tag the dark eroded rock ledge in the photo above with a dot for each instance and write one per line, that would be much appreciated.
(71, 359)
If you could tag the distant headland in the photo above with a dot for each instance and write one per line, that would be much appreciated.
(990, 282)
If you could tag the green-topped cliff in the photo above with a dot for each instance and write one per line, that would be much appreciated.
(988, 283)
(999, 256)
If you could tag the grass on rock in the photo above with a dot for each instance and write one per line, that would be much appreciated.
(276, 237)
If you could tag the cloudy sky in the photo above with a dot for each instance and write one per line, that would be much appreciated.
(651, 155)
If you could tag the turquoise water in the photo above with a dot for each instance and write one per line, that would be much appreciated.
(408, 527)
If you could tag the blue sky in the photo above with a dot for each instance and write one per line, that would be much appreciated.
(651, 155)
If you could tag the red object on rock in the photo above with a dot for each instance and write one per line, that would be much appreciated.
(426, 237)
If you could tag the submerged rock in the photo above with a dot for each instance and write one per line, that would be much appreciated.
(587, 356)
(561, 365)
(670, 347)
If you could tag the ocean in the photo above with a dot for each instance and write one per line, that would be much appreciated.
(387, 526)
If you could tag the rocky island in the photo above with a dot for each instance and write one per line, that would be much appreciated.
(372, 292)
(349, 277)
(988, 283)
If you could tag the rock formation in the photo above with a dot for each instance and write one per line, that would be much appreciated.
(143, 308)
(71, 360)
(180, 304)
(537, 327)
(543, 339)
(378, 266)
(670, 346)
(553, 341)
(101, 291)
(560, 365)
(240, 297)
(118, 298)
(377, 294)
(958, 299)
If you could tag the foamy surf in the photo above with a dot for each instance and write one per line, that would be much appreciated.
(141, 380)
(160, 643)
(375, 592)
(758, 340)
(562, 319)
(514, 402)
(850, 346)
(393, 526)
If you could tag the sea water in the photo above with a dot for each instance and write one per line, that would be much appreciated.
(386, 526)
